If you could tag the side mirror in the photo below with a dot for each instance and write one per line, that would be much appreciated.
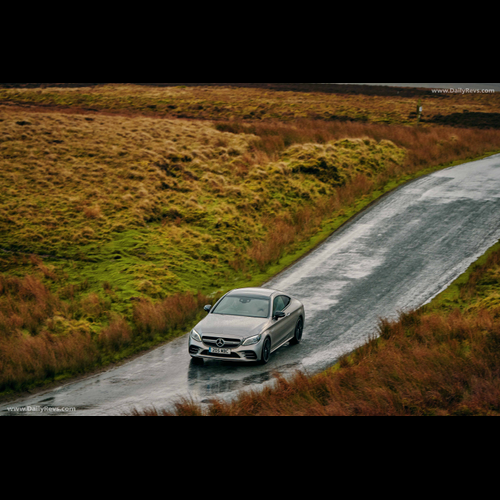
(208, 308)
(279, 315)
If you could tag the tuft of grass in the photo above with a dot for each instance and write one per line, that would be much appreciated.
(117, 335)
(168, 315)
(93, 212)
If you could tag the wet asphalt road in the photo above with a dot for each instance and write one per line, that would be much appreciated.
(395, 256)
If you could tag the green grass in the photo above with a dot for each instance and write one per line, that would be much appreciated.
(485, 289)
(156, 207)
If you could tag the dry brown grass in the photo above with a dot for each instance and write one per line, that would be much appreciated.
(24, 304)
(117, 335)
(92, 212)
(165, 316)
(38, 335)
(25, 360)
(425, 146)
(283, 232)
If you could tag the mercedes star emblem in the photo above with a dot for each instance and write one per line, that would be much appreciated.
(220, 343)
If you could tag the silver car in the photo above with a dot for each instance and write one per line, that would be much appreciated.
(247, 325)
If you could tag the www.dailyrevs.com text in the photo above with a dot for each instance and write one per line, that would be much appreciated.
(463, 91)
(41, 409)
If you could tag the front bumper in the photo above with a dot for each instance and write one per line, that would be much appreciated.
(242, 354)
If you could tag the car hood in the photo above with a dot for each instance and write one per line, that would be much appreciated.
(231, 326)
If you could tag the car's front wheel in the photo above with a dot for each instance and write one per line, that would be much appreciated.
(299, 330)
(266, 352)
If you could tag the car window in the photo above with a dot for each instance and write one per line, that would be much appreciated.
(280, 303)
(237, 305)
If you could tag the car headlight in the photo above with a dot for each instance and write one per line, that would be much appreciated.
(196, 336)
(253, 340)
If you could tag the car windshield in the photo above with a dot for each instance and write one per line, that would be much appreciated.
(239, 305)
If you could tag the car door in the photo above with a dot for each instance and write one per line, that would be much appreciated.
(283, 326)
(289, 320)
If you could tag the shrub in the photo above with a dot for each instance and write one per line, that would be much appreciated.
(27, 360)
(25, 304)
(92, 212)
(117, 335)
(163, 317)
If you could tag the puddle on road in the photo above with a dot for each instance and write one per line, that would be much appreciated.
(216, 379)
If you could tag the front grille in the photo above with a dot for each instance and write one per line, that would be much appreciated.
(228, 356)
(228, 343)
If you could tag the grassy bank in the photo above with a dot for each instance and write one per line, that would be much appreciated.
(116, 230)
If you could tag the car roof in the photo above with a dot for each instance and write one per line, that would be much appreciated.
(264, 292)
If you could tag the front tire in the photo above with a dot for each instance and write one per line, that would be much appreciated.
(266, 352)
(197, 361)
(299, 330)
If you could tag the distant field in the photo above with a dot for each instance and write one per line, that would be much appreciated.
(382, 89)
(330, 88)
(263, 104)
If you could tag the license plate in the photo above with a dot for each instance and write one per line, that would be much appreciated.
(215, 350)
